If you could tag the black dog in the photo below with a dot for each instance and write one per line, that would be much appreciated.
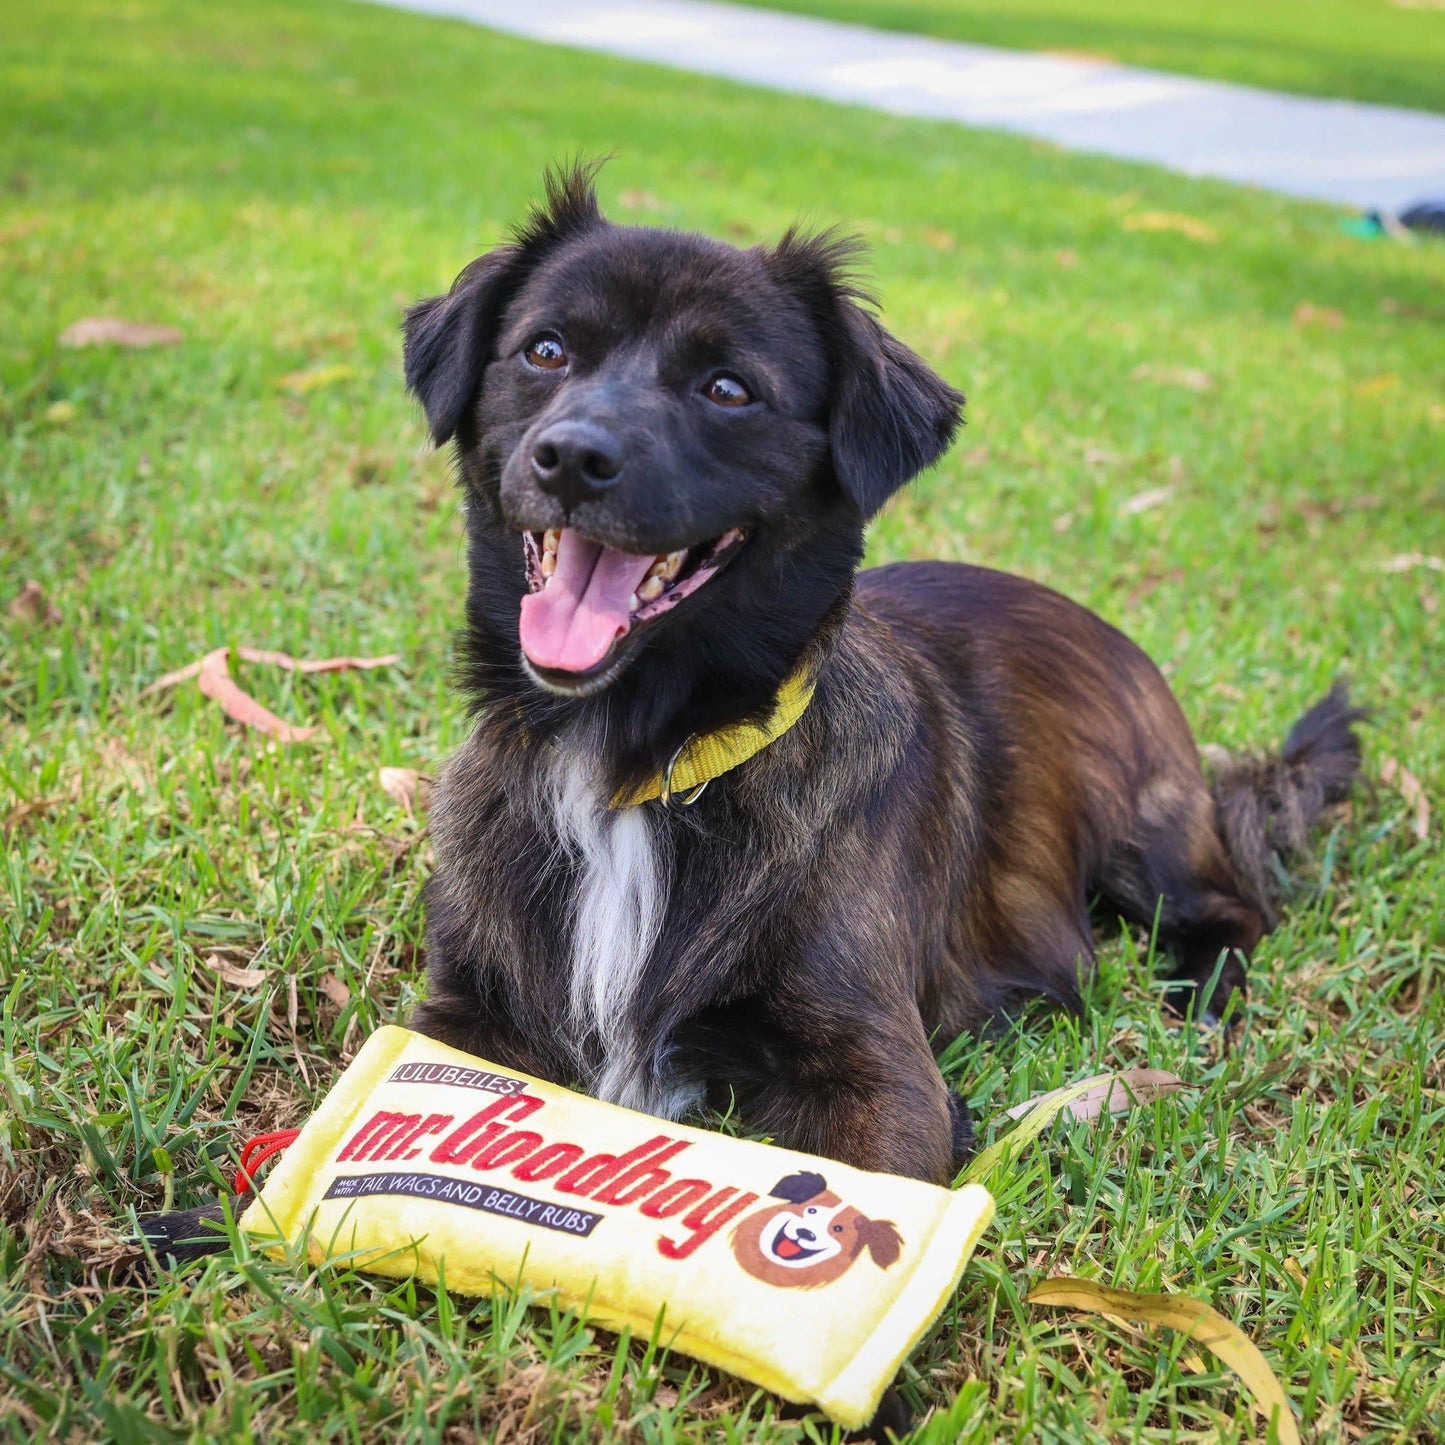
(670, 449)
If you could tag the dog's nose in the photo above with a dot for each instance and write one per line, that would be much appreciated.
(576, 461)
(805, 1234)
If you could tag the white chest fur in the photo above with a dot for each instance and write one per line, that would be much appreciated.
(622, 862)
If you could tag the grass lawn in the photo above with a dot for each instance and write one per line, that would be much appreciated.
(1204, 412)
(1389, 51)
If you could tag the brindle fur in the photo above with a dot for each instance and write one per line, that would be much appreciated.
(981, 757)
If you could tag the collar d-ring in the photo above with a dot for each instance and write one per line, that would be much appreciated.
(665, 794)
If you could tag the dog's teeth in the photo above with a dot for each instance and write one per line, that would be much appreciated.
(549, 563)
(633, 603)
(667, 566)
(551, 539)
(651, 589)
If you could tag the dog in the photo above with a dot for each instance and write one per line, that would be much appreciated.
(813, 1241)
(670, 449)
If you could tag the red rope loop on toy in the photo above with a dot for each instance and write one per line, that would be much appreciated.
(255, 1152)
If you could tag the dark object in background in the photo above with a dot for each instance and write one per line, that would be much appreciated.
(1425, 216)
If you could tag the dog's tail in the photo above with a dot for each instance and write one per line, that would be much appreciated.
(187, 1234)
(1268, 805)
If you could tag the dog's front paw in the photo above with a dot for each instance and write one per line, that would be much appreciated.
(961, 1128)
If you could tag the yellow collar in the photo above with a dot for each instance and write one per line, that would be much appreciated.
(701, 759)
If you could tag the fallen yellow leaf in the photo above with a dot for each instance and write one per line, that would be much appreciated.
(1190, 226)
(1114, 1092)
(1192, 1318)
(299, 383)
(1377, 384)
(1042, 1113)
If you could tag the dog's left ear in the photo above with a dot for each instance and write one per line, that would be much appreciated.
(449, 339)
(880, 1237)
(892, 414)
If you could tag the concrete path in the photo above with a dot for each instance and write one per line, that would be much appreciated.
(1369, 156)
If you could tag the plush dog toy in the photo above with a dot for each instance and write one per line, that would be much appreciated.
(807, 1277)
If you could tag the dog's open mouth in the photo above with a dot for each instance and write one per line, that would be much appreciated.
(788, 1249)
(586, 597)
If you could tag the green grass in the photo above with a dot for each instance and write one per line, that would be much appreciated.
(278, 180)
(1388, 51)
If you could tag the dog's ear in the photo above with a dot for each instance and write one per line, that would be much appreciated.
(449, 338)
(880, 1237)
(795, 1188)
(892, 415)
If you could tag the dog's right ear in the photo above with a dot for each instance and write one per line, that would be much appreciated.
(449, 338)
(795, 1188)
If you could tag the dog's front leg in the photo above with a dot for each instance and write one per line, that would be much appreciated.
(861, 1087)
(466, 1022)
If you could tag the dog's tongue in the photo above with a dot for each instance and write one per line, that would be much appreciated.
(787, 1248)
(583, 609)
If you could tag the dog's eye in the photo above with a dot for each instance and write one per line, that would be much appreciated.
(725, 390)
(837, 1229)
(546, 352)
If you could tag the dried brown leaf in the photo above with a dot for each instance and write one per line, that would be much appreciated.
(1114, 1093)
(233, 974)
(1145, 501)
(217, 683)
(335, 990)
(214, 675)
(1409, 787)
(1408, 561)
(33, 607)
(1191, 378)
(1308, 314)
(407, 787)
(113, 331)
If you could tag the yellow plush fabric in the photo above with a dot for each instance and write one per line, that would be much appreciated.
(807, 1277)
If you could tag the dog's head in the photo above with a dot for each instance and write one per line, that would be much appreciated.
(813, 1238)
(670, 448)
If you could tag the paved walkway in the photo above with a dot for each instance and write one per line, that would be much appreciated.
(1369, 156)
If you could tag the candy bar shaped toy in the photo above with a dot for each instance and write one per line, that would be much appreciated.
(798, 1273)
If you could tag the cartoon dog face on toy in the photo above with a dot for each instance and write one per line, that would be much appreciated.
(812, 1238)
